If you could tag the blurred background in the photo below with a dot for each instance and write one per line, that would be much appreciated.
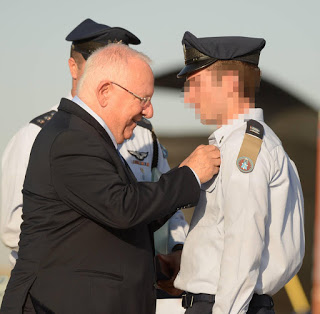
(34, 73)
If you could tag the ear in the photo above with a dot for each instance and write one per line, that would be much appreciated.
(73, 68)
(103, 92)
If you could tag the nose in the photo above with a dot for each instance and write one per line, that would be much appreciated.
(148, 112)
(189, 94)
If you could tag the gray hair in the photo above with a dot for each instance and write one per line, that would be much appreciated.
(110, 63)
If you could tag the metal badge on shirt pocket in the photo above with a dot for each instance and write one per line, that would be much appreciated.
(139, 157)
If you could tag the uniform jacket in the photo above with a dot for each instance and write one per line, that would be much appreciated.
(86, 244)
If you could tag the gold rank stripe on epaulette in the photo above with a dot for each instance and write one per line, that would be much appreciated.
(43, 119)
(250, 147)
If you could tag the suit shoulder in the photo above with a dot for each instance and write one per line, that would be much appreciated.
(77, 141)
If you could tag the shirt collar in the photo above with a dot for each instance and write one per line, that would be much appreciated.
(217, 137)
(85, 107)
(68, 96)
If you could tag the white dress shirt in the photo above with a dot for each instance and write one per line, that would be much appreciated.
(247, 232)
(14, 165)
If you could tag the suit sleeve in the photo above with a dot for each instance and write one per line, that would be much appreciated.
(178, 227)
(86, 173)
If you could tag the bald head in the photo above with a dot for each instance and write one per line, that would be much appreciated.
(115, 81)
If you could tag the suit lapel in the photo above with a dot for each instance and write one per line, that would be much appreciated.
(131, 174)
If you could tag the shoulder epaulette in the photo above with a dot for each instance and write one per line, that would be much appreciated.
(250, 147)
(43, 119)
(145, 123)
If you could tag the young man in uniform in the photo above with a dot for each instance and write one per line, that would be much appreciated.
(142, 152)
(246, 237)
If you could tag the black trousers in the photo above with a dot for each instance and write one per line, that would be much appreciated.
(203, 307)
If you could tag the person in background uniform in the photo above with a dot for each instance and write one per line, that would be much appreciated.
(246, 237)
(140, 151)
(86, 243)
(147, 159)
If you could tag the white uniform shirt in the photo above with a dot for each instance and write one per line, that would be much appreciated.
(14, 165)
(247, 233)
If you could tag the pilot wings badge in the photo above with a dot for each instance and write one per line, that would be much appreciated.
(138, 155)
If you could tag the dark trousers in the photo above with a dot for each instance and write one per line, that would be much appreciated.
(255, 307)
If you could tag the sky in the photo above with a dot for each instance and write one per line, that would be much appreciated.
(33, 64)
(34, 53)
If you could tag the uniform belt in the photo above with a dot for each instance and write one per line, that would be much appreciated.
(189, 298)
(257, 300)
(262, 300)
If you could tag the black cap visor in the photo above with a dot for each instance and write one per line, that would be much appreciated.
(193, 67)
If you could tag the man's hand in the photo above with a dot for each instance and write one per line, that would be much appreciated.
(170, 266)
(204, 161)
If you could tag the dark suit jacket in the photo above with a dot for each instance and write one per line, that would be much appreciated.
(86, 244)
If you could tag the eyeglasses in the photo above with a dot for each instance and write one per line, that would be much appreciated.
(144, 101)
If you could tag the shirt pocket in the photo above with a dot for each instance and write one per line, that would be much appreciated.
(207, 209)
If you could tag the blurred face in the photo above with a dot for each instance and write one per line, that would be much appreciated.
(214, 94)
(125, 109)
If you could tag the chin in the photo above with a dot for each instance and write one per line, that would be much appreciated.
(128, 132)
(208, 121)
(128, 135)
